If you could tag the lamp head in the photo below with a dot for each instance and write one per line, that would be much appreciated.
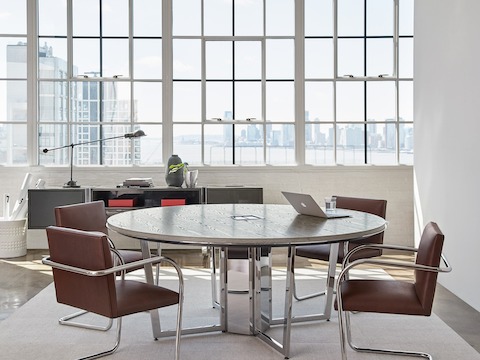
(136, 134)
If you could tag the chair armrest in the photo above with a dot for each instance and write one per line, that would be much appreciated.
(114, 269)
(394, 263)
(376, 246)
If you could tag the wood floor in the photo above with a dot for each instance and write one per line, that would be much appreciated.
(22, 278)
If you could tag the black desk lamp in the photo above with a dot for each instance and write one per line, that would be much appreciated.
(72, 183)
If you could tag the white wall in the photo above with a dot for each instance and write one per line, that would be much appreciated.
(447, 129)
(393, 183)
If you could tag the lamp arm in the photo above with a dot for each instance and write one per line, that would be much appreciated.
(84, 143)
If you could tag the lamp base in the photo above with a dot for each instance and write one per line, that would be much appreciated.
(71, 184)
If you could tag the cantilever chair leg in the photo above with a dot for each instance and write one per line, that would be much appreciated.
(345, 327)
(305, 297)
(112, 350)
(65, 321)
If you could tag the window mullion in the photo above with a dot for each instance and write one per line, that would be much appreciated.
(167, 81)
(299, 63)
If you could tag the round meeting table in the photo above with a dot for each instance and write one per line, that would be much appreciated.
(257, 228)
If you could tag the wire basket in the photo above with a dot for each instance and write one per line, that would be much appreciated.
(13, 238)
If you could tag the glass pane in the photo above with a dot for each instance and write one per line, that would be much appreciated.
(112, 152)
(318, 58)
(350, 101)
(280, 144)
(218, 17)
(280, 17)
(406, 17)
(248, 17)
(218, 144)
(115, 58)
(86, 9)
(13, 58)
(248, 100)
(187, 101)
(248, 144)
(318, 18)
(52, 59)
(218, 55)
(381, 101)
(52, 101)
(280, 59)
(406, 144)
(350, 144)
(248, 60)
(85, 101)
(52, 22)
(86, 57)
(350, 17)
(116, 102)
(219, 96)
(405, 55)
(186, 59)
(187, 143)
(147, 101)
(186, 17)
(13, 138)
(405, 101)
(382, 144)
(147, 18)
(149, 151)
(147, 59)
(88, 154)
(319, 144)
(280, 101)
(350, 57)
(379, 57)
(14, 17)
(117, 152)
(52, 136)
(380, 17)
(115, 17)
(13, 100)
(318, 101)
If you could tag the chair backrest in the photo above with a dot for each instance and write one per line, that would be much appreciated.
(86, 250)
(429, 253)
(371, 206)
(89, 216)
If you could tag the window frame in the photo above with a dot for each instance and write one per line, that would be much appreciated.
(167, 84)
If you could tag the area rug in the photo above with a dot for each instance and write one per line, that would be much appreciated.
(32, 332)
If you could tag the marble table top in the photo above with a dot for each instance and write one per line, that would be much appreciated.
(241, 225)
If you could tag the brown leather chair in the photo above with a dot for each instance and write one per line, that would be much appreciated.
(89, 282)
(322, 251)
(392, 296)
(90, 216)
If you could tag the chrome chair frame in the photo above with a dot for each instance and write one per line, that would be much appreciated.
(343, 316)
(122, 268)
(345, 251)
(65, 320)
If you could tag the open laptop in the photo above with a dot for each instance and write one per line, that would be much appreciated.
(306, 205)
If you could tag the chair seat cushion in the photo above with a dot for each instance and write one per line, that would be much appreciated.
(381, 296)
(134, 296)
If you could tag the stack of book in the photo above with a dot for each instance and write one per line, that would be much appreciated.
(141, 182)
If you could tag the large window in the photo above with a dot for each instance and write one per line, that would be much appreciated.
(13, 82)
(233, 81)
(219, 82)
(100, 76)
(358, 82)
